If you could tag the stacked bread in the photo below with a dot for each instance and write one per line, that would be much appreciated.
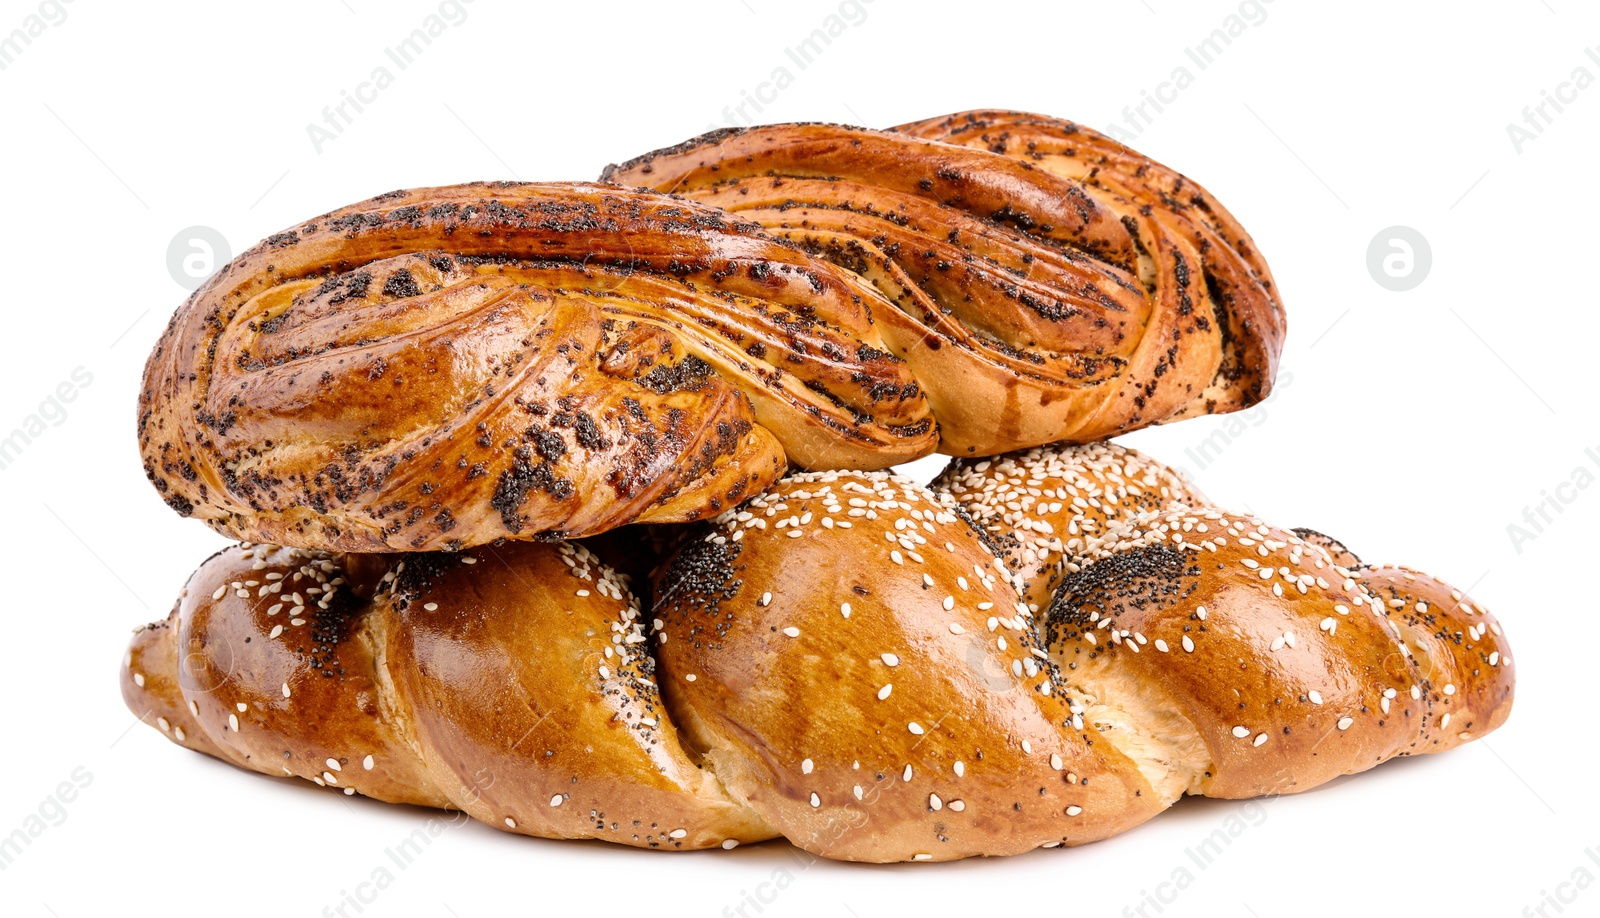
(441, 419)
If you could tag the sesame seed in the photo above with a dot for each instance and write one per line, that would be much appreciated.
(430, 606)
(1260, 738)
(1315, 696)
(367, 763)
(805, 767)
(728, 844)
(815, 800)
(884, 692)
(890, 659)
(792, 631)
(906, 775)
(678, 833)
(915, 728)
(934, 803)
(1241, 732)
(960, 768)
(1345, 722)
(556, 800)
(1074, 810)
(1188, 644)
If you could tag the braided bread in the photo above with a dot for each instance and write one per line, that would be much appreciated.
(439, 368)
(847, 659)
(1086, 289)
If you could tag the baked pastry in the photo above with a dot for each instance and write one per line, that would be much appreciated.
(845, 660)
(1040, 508)
(1083, 287)
(439, 368)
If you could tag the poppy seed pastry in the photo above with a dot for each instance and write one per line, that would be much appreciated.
(1082, 287)
(845, 660)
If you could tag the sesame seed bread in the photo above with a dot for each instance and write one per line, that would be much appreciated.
(512, 683)
(846, 660)
(861, 662)
(1045, 505)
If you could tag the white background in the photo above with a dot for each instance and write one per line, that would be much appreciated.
(1416, 426)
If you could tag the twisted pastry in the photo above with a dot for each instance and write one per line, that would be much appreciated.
(1082, 287)
(440, 368)
(1237, 278)
(847, 660)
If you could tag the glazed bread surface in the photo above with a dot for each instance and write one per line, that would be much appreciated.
(846, 659)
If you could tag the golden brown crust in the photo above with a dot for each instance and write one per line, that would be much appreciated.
(521, 696)
(1244, 293)
(1461, 653)
(1080, 302)
(439, 368)
(863, 676)
(279, 673)
(845, 660)
(1278, 657)
(533, 666)
(1044, 506)
(1292, 669)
